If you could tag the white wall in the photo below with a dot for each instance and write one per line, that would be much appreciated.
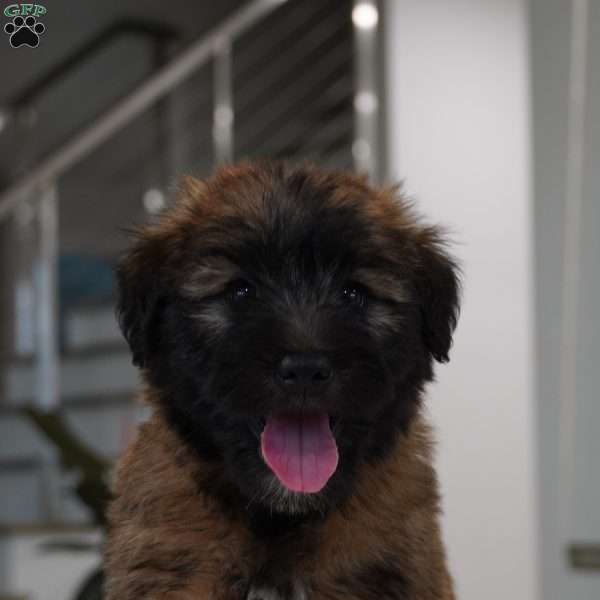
(41, 574)
(566, 100)
(459, 131)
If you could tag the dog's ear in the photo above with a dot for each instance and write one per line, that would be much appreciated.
(438, 289)
(139, 298)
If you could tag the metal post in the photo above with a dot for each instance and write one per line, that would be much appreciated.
(365, 148)
(134, 104)
(571, 267)
(178, 155)
(24, 238)
(46, 302)
(223, 103)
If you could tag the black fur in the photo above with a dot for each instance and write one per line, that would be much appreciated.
(217, 390)
(378, 581)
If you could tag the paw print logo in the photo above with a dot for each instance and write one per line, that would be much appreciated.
(24, 32)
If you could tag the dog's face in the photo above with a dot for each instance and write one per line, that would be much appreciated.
(287, 320)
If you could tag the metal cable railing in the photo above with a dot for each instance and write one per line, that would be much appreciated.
(156, 87)
(318, 98)
(281, 79)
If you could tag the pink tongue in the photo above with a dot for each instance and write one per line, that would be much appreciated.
(300, 450)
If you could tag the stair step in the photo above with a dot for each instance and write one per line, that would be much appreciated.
(87, 327)
(105, 374)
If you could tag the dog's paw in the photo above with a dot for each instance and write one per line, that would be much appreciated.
(292, 592)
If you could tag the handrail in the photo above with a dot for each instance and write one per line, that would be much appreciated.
(140, 27)
(127, 109)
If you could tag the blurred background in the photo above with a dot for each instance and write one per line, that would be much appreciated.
(490, 113)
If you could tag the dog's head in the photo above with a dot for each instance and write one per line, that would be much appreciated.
(287, 319)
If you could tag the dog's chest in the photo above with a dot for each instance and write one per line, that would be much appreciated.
(310, 574)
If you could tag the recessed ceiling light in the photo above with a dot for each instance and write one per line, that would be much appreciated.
(365, 15)
(154, 201)
(365, 102)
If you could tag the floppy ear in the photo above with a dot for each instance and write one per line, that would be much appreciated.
(438, 291)
(139, 298)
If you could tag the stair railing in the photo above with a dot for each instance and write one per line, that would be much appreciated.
(39, 189)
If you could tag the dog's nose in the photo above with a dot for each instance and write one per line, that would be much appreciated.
(304, 370)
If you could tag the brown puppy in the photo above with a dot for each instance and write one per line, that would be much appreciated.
(285, 321)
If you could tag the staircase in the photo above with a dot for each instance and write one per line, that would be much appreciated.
(277, 79)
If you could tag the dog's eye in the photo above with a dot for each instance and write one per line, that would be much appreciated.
(242, 290)
(354, 294)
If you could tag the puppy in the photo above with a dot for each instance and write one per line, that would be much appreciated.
(285, 321)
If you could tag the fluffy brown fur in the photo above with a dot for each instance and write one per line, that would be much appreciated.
(184, 524)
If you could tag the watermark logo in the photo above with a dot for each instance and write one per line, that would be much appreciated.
(25, 28)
